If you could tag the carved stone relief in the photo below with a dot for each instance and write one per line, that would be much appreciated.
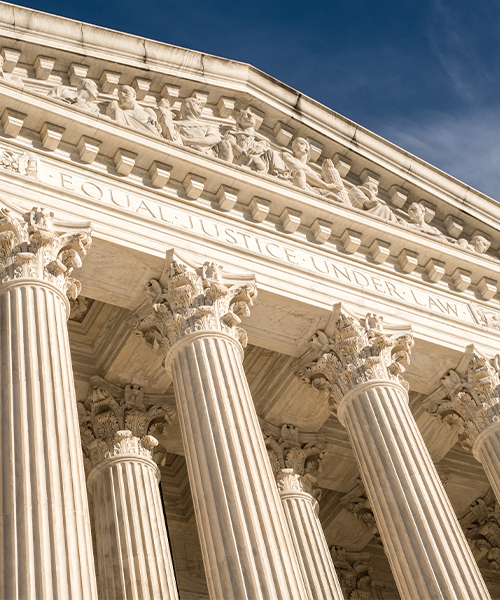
(79, 307)
(356, 503)
(354, 571)
(481, 526)
(350, 353)
(295, 465)
(186, 300)
(235, 139)
(473, 399)
(33, 248)
(484, 317)
(127, 111)
(85, 97)
(118, 421)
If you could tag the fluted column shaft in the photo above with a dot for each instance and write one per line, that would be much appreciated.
(486, 449)
(424, 543)
(246, 544)
(133, 553)
(46, 545)
(310, 544)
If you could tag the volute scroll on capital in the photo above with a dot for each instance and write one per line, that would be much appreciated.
(472, 396)
(32, 247)
(350, 352)
(188, 299)
(116, 421)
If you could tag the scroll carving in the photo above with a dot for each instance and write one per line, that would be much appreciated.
(117, 421)
(473, 396)
(187, 299)
(295, 465)
(350, 352)
(33, 248)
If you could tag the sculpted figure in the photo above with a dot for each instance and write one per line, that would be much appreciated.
(8, 78)
(166, 121)
(244, 146)
(127, 111)
(365, 198)
(194, 133)
(84, 98)
(416, 213)
(329, 184)
(477, 244)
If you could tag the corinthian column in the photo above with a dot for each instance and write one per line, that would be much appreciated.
(122, 457)
(46, 549)
(295, 467)
(246, 545)
(472, 402)
(359, 367)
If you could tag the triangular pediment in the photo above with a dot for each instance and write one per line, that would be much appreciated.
(224, 135)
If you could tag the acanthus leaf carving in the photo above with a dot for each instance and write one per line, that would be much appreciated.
(33, 248)
(481, 526)
(122, 421)
(354, 571)
(351, 352)
(295, 465)
(189, 299)
(472, 400)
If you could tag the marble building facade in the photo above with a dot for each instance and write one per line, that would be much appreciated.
(249, 350)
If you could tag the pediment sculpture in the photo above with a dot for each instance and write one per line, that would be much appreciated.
(85, 97)
(365, 197)
(239, 142)
(127, 111)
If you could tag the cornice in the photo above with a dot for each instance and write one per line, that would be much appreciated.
(25, 26)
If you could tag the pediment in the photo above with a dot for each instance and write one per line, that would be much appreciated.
(352, 192)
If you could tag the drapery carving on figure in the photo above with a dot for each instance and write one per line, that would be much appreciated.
(365, 198)
(244, 146)
(328, 184)
(127, 111)
(84, 98)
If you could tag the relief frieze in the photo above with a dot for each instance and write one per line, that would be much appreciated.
(335, 268)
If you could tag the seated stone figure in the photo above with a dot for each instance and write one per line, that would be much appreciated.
(365, 198)
(127, 111)
(477, 244)
(329, 184)
(416, 214)
(244, 146)
(8, 78)
(84, 98)
(193, 132)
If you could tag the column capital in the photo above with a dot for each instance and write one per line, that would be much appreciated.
(116, 421)
(481, 526)
(295, 465)
(471, 397)
(33, 247)
(354, 570)
(188, 299)
(350, 352)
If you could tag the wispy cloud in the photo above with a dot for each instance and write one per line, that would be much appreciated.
(466, 146)
(458, 36)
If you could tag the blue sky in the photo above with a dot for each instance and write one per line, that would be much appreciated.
(424, 74)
